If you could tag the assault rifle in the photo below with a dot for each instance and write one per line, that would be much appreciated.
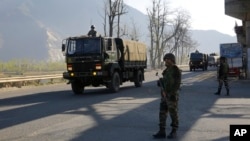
(159, 83)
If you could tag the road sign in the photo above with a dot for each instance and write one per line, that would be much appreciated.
(231, 50)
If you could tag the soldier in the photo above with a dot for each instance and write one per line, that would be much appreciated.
(222, 75)
(169, 103)
(92, 32)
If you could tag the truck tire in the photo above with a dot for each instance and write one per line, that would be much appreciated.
(115, 83)
(138, 78)
(77, 87)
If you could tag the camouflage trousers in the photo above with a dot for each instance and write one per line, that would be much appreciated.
(171, 108)
(225, 81)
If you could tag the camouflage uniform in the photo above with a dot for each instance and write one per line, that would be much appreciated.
(92, 32)
(222, 75)
(171, 82)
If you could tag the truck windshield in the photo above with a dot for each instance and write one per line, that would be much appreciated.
(196, 56)
(88, 46)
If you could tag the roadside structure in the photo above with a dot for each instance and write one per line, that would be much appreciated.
(240, 9)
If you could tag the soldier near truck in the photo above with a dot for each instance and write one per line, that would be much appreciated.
(103, 61)
(222, 75)
(92, 32)
(170, 84)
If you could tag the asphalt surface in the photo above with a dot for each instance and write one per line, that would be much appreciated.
(53, 113)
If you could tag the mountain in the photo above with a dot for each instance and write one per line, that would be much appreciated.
(34, 29)
(210, 40)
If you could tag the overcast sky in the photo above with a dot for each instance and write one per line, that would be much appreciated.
(205, 14)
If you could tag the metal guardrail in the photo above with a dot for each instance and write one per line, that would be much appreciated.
(10, 80)
(29, 78)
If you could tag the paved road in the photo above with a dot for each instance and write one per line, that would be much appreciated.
(53, 113)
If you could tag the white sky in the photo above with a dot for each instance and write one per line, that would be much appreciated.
(205, 14)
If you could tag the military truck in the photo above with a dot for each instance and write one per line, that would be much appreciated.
(103, 61)
(198, 60)
(213, 60)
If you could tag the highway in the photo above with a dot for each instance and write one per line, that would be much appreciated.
(54, 113)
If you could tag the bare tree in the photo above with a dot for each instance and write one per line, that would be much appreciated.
(105, 18)
(182, 39)
(134, 32)
(113, 9)
(168, 32)
(158, 23)
(121, 10)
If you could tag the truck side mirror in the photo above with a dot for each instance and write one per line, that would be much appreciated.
(63, 47)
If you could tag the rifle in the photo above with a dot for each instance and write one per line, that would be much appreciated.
(159, 83)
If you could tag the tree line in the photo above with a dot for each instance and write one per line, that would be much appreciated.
(169, 29)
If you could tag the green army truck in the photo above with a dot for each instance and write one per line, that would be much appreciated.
(103, 61)
(198, 60)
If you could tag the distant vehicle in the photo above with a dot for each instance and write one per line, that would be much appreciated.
(103, 61)
(233, 53)
(213, 60)
(198, 61)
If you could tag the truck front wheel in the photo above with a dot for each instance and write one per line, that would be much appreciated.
(77, 87)
(115, 82)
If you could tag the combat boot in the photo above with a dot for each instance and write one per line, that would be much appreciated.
(218, 92)
(160, 134)
(172, 134)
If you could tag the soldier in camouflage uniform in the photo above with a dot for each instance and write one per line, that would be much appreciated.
(222, 75)
(92, 32)
(169, 103)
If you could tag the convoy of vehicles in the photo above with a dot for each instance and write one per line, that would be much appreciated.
(103, 61)
(108, 61)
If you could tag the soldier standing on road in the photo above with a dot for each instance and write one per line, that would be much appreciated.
(169, 103)
(92, 32)
(222, 75)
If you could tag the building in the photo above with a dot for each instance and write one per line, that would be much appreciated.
(240, 9)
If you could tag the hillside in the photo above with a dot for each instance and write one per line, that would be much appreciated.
(34, 29)
(210, 40)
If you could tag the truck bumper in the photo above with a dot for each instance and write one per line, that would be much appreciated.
(72, 75)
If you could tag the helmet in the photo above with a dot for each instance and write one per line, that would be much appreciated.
(169, 56)
(92, 26)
